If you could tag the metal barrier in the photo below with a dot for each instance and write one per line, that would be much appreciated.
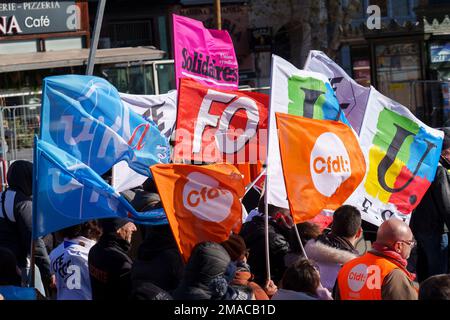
(19, 124)
(428, 100)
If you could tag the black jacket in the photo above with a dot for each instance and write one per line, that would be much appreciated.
(159, 261)
(433, 212)
(208, 261)
(254, 236)
(110, 268)
(16, 219)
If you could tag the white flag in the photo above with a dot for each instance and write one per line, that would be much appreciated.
(161, 109)
(298, 92)
(352, 96)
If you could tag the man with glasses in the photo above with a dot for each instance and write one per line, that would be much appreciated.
(381, 273)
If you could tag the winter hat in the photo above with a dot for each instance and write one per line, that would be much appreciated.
(221, 290)
(111, 225)
(235, 246)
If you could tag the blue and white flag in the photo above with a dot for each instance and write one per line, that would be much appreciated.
(84, 116)
(68, 192)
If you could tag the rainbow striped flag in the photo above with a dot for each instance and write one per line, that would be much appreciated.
(402, 155)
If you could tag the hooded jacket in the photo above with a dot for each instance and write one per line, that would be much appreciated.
(329, 256)
(432, 215)
(208, 261)
(283, 294)
(253, 233)
(110, 268)
(159, 261)
(16, 218)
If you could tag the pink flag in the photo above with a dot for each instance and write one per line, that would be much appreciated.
(205, 55)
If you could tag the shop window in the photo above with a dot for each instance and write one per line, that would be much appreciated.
(63, 44)
(282, 43)
(361, 65)
(137, 79)
(131, 33)
(400, 8)
(10, 47)
(166, 77)
(397, 66)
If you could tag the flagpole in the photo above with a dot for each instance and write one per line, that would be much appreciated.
(94, 40)
(218, 14)
(32, 281)
(299, 239)
(266, 228)
(266, 167)
(251, 184)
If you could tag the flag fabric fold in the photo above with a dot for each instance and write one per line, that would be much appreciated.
(302, 93)
(323, 168)
(202, 203)
(162, 110)
(206, 55)
(84, 116)
(402, 155)
(352, 96)
(68, 192)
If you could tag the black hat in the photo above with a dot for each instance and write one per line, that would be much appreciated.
(112, 224)
(235, 246)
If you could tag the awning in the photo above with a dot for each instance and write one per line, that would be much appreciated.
(75, 57)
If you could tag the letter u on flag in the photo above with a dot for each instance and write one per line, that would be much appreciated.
(402, 155)
(202, 203)
(205, 55)
(322, 168)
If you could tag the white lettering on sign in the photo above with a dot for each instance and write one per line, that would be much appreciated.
(41, 5)
(9, 25)
(73, 20)
(223, 122)
(31, 22)
(7, 7)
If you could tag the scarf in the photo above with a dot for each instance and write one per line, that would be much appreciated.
(337, 242)
(394, 257)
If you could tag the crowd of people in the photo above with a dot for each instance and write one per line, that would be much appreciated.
(115, 259)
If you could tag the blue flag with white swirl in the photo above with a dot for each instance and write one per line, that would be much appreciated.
(85, 117)
(68, 192)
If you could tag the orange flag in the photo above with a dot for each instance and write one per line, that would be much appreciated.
(202, 203)
(322, 163)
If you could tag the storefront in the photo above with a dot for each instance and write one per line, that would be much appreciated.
(393, 60)
(43, 38)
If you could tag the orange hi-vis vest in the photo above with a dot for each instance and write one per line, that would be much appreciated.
(362, 278)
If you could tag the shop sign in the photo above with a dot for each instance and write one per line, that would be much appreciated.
(440, 52)
(33, 17)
